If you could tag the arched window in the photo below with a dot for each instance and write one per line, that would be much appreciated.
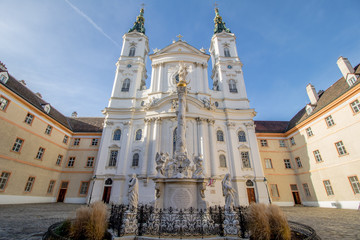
(242, 136)
(222, 160)
(138, 135)
(117, 135)
(174, 140)
(220, 136)
(249, 183)
(177, 78)
(232, 86)
(227, 52)
(135, 161)
(132, 52)
(126, 85)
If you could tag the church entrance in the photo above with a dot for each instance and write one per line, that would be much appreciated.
(62, 191)
(107, 191)
(250, 191)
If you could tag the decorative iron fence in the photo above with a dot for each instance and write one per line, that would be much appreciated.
(149, 221)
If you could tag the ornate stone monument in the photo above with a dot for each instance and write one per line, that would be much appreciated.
(180, 182)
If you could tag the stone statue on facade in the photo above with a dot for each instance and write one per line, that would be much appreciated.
(133, 191)
(160, 160)
(228, 191)
(198, 173)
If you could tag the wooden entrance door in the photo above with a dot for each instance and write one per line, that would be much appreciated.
(62, 191)
(296, 197)
(251, 195)
(106, 195)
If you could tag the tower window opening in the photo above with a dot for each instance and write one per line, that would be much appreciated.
(126, 85)
(227, 52)
(132, 52)
(232, 86)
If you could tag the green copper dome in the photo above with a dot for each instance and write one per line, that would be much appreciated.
(219, 24)
(139, 24)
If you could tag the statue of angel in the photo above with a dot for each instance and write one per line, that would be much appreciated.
(133, 191)
(228, 191)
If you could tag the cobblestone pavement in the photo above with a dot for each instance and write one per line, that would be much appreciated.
(329, 223)
(30, 221)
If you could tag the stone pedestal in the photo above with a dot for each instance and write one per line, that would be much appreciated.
(180, 193)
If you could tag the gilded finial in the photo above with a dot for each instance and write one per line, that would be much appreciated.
(219, 24)
(139, 23)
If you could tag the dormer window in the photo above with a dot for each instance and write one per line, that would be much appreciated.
(309, 109)
(132, 52)
(232, 86)
(126, 85)
(351, 81)
(4, 77)
(227, 52)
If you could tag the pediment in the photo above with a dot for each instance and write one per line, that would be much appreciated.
(180, 47)
(244, 146)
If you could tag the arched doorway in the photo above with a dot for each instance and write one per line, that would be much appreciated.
(107, 190)
(250, 191)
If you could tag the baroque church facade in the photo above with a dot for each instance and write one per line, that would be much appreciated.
(311, 159)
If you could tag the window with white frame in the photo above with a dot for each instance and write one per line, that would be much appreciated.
(227, 52)
(329, 121)
(242, 136)
(29, 184)
(222, 160)
(287, 163)
(274, 190)
(29, 118)
(59, 159)
(351, 81)
(65, 140)
(51, 186)
(117, 135)
(355, 185)
(94, 142)
(355, 106)
(132, 52)
(3, 180)
(40, 153)
(232, 86)
(90, 162)
(292, 141)
(84, 188)
(113, 158)
(135, 160)
(268, 163)
(263, 142)
(126, 85)
(138, 135)
(328, 188)
(3, 103)
(282, 143)
(306, 189)
(17, 145)
(76, 141)
(317, 156)
(309, 132)
(245, 159)
(298, 162)
(71, 162)
(220, 135)
(48, 130)
(340, 148)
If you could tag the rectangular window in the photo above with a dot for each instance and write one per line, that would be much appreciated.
(29, 184)
(306, 189)
(40, 153)
(245, 159)
(3, 180)
(268, 163)
(317, 156)
(340, 148)
(59, 159)
(282, 143)
(29, 118)
(51, 186)
(328, 188)
(287, 163)
(4, 103)
(84, 188)
(274, 190)
(48, 130)
(298, 162)
(65, 140)
(94, 142)
(76, 141)
(90, 162)
(292, 141)
(293, 187)
(354, 181)
(71, 162)
(329, 121)
(263, 143)
(17, 145)
(355, 106)
(309, 132)
(113, 158)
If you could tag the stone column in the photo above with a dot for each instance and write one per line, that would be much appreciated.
(145, 162)
(230, 130)
(213, 155)
(124, 158)
(154, 138)
(200, 140)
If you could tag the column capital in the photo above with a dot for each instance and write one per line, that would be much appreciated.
(210, 121)
(200, 120)
(127, 123)
(249, 125)
(230, 124)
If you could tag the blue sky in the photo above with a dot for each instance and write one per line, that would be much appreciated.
(67, 49)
